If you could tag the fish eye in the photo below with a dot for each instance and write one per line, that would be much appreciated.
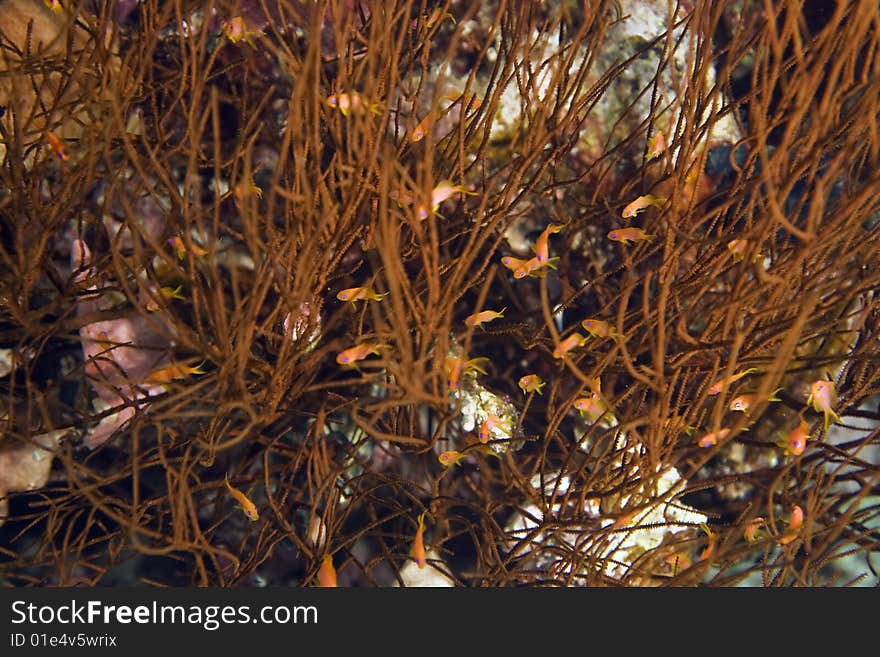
(612, 235)
(332, 101)
(343, 296)
(506, 260)
(343, 359)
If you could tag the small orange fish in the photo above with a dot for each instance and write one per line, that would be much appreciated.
(531, 383)
(737, 249)
(418, 547)
(795, 522)
(54, 5)
(599, 329)
(245, 189)
(478, 319)
(249, 508)
(592, 406)
(422, 128)
(722, 384)
(443, 191)
(641, 203)
(542, 247)
(327, 573)
(711, 439)
(656, 145)
(167, 294)
(750, 533)
(795, 442)
(358, 352)
(529, 267)
(628, 235)
(569, 343)
(450, 458)
(181, 248)
(491, 422)
(57, 145)
(236, 29)
(360, 294)
(822, 397)
(513, 263)
(455, 367)
(172, 372)
(352, 102)
(743, 403)
(710, 543)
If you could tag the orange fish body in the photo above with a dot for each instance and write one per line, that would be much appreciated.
(642, 202)
(592, 406)
(711, 439)
(599, 329)
(795, 442)
(478, 319)
(57, 145)
(542, 247)
(531, 383)
(629, 235)
(822, 397)
(656, 145)
(353, 102)
(249, 508)
(181, 248)
(450, 458)
(358, 352)
(422, 128)
(750, 533)
(327, 573)
(236, 29)
(443, 191)
(360, 294)
(795, 522)
(485, 432)
(418, 546)
(455, 367)
(743, 403)
(569, 343)
(172, 372)
(721, 384)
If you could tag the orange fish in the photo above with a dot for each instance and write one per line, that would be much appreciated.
(327, 573)
(656, 145)
(722, 384)
(569, 343)
(711, 439)
(450, 458)
(443, 191)
(249, 508)
(54, 5)
(422, 128)
(478, 319)
(592, 406)
(245, 189)
(485, 432)
(750, 533)
(172, 372)
(743, 403)
(57, 145)
(352, 102)
(795, 521)
(455, 367)
(542, 247)
(531, 383)
(236, 29)
(795, 442)
(360, 294)
(167, 294)
(528, 268)
(358, 352)
(737, 249)
(822, 397)
(181, 248)
(628, 235)
(710, 543)
(642, 202)
(418, 547)
(599, 329)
